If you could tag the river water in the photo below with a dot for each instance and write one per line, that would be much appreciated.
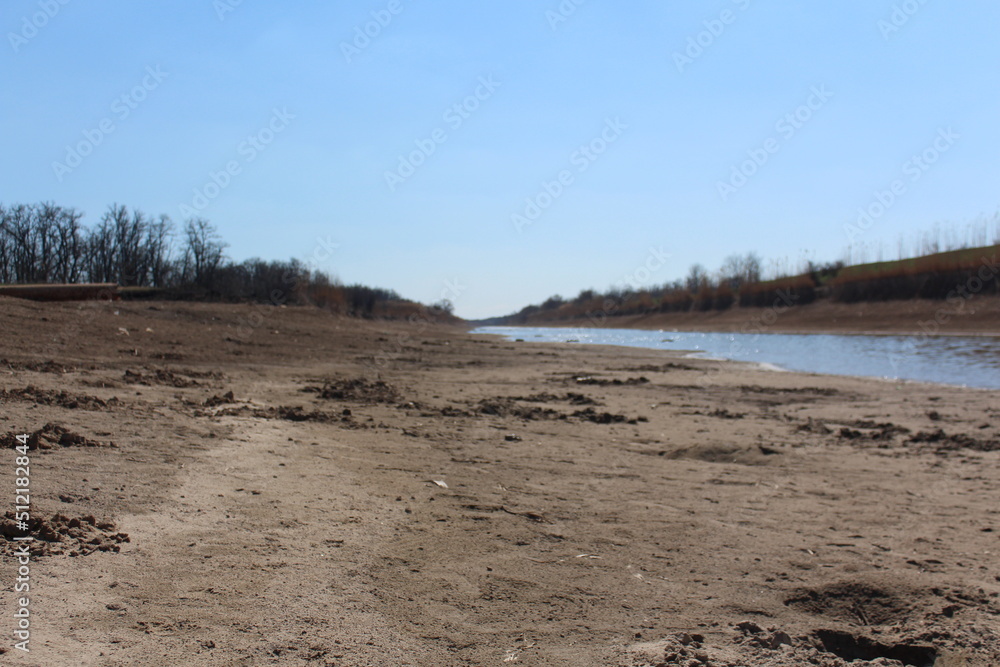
(972, 361)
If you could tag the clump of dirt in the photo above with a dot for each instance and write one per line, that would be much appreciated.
(61, 399)
(569, 397)
(36, 366)
(357, 389)
(662, 368)
(723, 413)
(52, 435)
(591, 415)
(604, 382)
(507, 407)
(580, 399)
(869, 430)
(60, 534)
(685, 649)
(851, 602)
(756, 636)
(298, 414)
(815, 391)
(225, 399)
(879, 426)
(955, 441)
(814, 426)
(293, 414)
(167, 356)
(450, 411)
(159, 377)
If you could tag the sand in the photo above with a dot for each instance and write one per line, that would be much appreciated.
(328, 491)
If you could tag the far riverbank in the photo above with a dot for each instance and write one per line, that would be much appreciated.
(978, 316)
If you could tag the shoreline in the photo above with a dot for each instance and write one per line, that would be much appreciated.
(362, 492)
(775, 331)
(710, 355)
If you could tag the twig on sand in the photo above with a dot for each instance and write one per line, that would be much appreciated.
(534, 516)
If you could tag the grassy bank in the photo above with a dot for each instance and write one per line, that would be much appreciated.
(975, 316)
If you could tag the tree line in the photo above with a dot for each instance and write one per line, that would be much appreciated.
(45, 243)
(738, 280)
(945, 275)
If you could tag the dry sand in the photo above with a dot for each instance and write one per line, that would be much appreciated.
(284, 500)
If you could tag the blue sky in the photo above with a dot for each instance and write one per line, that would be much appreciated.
(649, 112)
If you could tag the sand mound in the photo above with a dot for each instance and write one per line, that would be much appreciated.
(945, 442)
(52, 435)
(356, 389)
(60, 399)
(36, 366)
(60, 534)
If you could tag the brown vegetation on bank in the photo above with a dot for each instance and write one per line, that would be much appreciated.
(951, 277)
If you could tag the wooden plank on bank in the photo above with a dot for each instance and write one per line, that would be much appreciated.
(62, 292)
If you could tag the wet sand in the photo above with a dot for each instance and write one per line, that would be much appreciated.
(329, 491)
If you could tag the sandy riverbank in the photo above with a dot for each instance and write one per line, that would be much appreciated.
(467, 501)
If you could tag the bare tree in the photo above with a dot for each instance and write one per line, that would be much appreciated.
(101, 252)
(21, 230)
(5, 249)
(752, 268)
(203, 253)
(69, 249)
(157, 251)
(697, 278)
(739, 270)
(731, 271)
(444, 306)
(128, 231)
(45, 220)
